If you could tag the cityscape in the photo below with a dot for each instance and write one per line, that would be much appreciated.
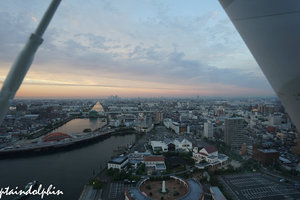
(214, 148)
(149, 100)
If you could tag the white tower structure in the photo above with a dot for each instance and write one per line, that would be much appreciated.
(163, 189)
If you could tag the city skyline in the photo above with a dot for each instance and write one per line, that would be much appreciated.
(131, 49)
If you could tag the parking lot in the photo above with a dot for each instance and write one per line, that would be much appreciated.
(115, 190)
(254, 186)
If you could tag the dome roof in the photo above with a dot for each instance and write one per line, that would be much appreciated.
(55, 137)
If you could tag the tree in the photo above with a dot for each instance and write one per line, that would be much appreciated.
(110, 172)
(116, 176)
(141, 170)
(96, 183)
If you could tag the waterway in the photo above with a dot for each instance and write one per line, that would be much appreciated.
(67, 170)
(78, 125)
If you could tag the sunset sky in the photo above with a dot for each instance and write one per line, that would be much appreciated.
(130, 48)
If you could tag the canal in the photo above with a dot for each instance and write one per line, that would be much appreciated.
(78, 125)
(67, 170)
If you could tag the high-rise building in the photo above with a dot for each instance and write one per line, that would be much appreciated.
(143, 123)
(208, 130)
(296, 149)
(275, 119)
(233, 132)
(266, 109)
(159, 117)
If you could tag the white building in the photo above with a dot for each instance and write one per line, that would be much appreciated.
(118, 163)
(159, 146)
(176, 127)
(183, 144)
(138, 156)
(208, 130)
(156, 162)
(167, 122)
(210, 155)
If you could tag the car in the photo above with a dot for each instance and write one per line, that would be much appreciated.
(126, 181)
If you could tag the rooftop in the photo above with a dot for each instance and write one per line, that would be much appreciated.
(216, 193)
(268, 150)
(211, 149)
(118, 160)
(160, 167)
(154, 158)
(212, 157)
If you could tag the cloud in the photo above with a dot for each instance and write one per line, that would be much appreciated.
(13, 34)
(191, 51)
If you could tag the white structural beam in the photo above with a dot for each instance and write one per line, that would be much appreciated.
(271, 30)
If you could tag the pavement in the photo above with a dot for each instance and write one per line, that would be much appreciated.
(115, 190)
(257, 186)
(90, 194)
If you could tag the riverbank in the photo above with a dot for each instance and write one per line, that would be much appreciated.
(41, 148)
(52, 127)
(67, 169)
(49, 128)
(102, 176)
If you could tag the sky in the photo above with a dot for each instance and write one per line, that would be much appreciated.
(130, 48)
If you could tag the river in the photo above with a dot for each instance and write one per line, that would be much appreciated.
(67, 170)
(78, 125)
